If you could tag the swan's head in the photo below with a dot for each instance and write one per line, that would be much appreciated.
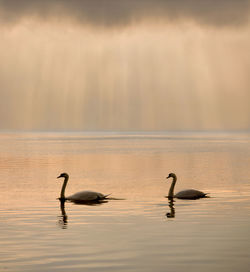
(63, 175)
(171, 175)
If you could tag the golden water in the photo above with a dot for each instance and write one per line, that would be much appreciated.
(140, 232)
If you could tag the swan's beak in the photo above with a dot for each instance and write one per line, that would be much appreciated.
(167, 177)
(59, 176)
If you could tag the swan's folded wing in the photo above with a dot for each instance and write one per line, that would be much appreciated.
(190, 194)
(86, 196)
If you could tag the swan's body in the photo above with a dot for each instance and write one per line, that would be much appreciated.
(83, 196)
(86, 196)
(185, 194)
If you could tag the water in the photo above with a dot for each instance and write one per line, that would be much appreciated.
(140, 232)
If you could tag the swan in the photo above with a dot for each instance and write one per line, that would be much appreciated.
(83, 196)
(185, 194)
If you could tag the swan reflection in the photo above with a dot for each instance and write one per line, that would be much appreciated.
(171, 214)
(63, 218)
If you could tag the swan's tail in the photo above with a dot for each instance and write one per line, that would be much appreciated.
(112, 198)
(106, 196)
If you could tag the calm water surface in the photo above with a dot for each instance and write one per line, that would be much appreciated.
(140, 232)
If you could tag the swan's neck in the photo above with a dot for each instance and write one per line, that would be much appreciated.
(64, 187)
(171, 190)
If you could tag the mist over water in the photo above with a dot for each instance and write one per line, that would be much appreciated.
(57, 73)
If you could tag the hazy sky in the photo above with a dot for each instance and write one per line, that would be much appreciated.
(124, 65)
(115, 12)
